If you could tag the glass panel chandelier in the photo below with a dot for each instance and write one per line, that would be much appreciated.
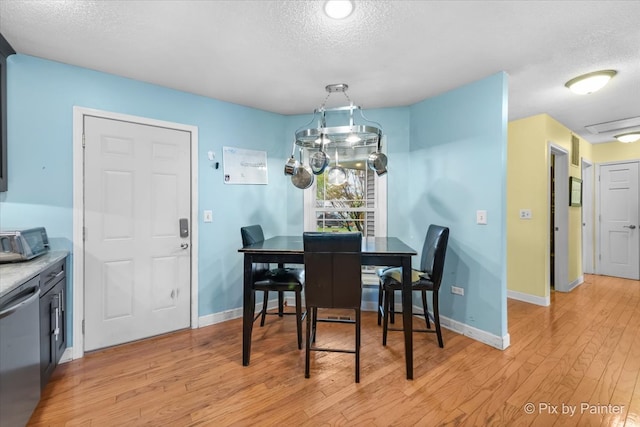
(332, 130)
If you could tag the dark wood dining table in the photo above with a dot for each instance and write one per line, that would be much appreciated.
(380, 251)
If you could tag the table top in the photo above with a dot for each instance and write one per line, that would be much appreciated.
(293, 244)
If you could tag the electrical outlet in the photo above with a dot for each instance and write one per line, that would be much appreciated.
(457, 290)
(207, 216)
(525, 213)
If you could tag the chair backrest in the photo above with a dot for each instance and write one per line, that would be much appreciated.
(333, 269)
(433, 253)
(253, 234)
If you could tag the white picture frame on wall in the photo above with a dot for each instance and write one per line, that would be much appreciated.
(242, 166)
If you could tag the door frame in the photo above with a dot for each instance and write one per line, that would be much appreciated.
(598, 236)
(78, 213)
(588, 218)
(561, 203)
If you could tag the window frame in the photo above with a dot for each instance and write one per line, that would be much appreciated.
(309, 210)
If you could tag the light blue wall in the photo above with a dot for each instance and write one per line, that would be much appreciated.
(458, 166)
(41, 97)
(446, 159)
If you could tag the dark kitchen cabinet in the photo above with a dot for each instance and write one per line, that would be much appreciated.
(5, 51)
(53, 331)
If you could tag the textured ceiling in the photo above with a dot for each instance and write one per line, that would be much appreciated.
(279, 55)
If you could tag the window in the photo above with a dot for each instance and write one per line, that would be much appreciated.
(357, 205)
(360, 204)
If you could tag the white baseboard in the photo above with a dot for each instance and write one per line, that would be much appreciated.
(543, 301)
(67, 355)
(531, 299)
(212, 319)
(576, 283)
(501, 343)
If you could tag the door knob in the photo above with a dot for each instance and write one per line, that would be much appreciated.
(629, 226)
(184, 245)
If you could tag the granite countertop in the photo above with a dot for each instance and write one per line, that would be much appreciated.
(14, 274)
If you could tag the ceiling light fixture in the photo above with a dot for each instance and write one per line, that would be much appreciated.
(333, 129)
(590, 82)
(628, 137)
(343, 136)
(338, 9)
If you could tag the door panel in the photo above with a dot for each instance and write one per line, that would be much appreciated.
(137, 274)
(117, 284)
(620, 239)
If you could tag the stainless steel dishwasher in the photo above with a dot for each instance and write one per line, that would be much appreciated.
(19, 353)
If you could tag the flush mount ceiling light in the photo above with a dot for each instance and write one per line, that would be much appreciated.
(628, 137)
(338, 9)
(590, 82)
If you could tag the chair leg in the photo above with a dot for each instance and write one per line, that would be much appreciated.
(380, 298)
(392, 306)
(436, 318)
(314, 323)
(280, 303)
(357, 345)
(265, 301)
(307, 350)
(299, 319)
(385, 317)
(425, 309)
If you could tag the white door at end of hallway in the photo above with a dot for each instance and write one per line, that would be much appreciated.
(619, 233)
(137, 261)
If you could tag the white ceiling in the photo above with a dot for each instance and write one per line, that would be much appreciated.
(280, 55)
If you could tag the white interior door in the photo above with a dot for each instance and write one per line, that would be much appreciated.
(561, 218)
(137, 261)
(619, 233)
(587, 217)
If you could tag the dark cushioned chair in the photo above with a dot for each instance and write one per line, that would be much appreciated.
(333, 270)
(426, 279)
(279, 279)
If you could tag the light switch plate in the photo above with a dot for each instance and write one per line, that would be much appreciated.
(207, 216)
(481, 217)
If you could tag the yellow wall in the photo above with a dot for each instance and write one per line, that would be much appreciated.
(615, 151)
(527, 263)
(528, 188)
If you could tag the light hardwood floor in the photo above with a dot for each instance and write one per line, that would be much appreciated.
(580, 354)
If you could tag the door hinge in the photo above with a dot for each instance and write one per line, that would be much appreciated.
(599, 256)
(83, 140)
(82, 326)
(84, 234)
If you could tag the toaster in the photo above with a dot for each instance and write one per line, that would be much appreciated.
(23, 244)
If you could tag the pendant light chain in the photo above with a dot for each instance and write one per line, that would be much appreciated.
(335, 88)
(326, 98)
